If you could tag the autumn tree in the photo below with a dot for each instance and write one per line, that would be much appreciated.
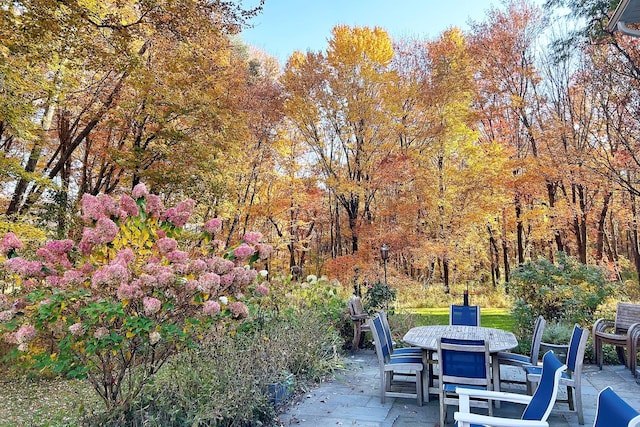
(337, 103)
(124, 87)
(504, 47)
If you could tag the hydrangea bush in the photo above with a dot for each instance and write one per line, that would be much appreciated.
(114, 306)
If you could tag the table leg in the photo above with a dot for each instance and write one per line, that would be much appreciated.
(426, 382)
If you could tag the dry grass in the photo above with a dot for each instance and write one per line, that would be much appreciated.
(44, 402)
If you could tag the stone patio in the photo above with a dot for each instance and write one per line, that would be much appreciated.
(352, 398)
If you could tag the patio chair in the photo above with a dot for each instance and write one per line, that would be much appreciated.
(613, 411)
(463, 363)
(359, 319)
(395, 351)
(538, 406)
(396, 365)
(616, 332)
(572, 377)
(467, 315)
(521, 360)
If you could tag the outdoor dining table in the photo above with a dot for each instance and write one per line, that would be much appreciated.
(426, 337)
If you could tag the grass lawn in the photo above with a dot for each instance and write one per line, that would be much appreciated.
(499, 318)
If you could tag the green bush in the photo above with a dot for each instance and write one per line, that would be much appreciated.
(226, 381)
(379, 296)
(564, 292)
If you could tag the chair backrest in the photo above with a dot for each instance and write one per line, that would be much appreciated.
(538, 330)
(382, 347)
(545, 395)
(577, 347)
(612, 411)
(386, 329)
(468, 315)
(355, 306)
(626, 315)
(464, 362)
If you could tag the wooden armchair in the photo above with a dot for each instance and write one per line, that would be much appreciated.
(619, 332)
(359, 319)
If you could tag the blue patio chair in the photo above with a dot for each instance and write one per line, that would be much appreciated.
(395, 351)
(522, 360)
(612, 411)
(396, 365)
(572, 378)
(538, 406)
(463, 363)
(467, 315)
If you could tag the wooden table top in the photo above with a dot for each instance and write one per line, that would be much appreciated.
(427, 336)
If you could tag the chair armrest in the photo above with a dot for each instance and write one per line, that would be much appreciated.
(466, 393)
(562, 348)
(633, 335)
(467, 419)
(602, 325)
(359, 316)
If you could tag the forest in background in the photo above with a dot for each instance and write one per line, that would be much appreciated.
(467, 154)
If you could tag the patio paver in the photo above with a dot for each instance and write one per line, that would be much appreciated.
(352, 398)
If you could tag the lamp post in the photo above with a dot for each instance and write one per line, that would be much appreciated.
(384, 254)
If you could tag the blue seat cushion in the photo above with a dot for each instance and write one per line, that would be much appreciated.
(405, 359)
(414, 351)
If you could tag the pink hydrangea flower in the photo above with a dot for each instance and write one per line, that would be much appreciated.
(252, 237)
(243, 251)
(151, 305)
(140, 190)
(211, 307)
(226, 279)
(106, 230)
(76, 329)
(166, 244)
(128, 206)
(100, 332)
(191, 285)
(264, 250)
(124, 257)
(213, 226)
(208, 282)
(154, 206)
(239, 310)
(177, 257)
(197, 266)
(165, 277)
(110, 275)
(25, 333)
(9, 243)
(109, 206)
(243, 276)
(91, 208)
(262, 290)
(128, 292)
(6, 315)
(220, 265)
(186, 206)
(23, 267)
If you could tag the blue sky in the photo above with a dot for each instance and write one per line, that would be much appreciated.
(288, 25)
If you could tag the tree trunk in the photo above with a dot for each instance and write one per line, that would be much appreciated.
(600, 236)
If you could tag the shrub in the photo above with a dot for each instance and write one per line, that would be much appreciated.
(379, 296)
(116, 305)
(225, 382)
(565, 292)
